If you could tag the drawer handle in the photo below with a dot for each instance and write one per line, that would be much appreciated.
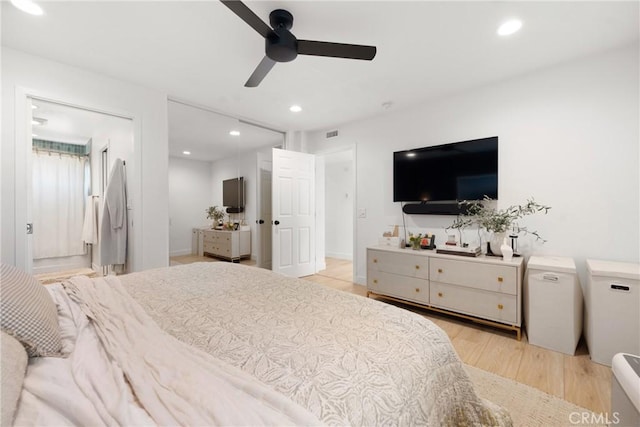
(500, 306)
(440, 294)
(417, 289)
(375, 260)
(500, 279)
(375, 280)
(439, 270)
(417, 267)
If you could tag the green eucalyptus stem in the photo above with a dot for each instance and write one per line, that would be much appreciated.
(497, 220)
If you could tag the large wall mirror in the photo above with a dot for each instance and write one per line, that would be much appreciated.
(206, 148)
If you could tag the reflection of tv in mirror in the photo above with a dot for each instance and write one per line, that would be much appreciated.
(233, 194)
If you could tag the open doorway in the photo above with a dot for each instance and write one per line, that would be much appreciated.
(68, 164)
(339, 206)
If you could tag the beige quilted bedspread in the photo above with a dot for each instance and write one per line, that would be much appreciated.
(347, 359)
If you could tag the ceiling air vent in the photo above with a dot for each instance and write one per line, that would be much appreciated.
(332, 134)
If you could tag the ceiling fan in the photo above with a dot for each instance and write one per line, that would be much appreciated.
(282, 46)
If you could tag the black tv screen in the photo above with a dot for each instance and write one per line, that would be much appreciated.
(466, 170)
(233, 192)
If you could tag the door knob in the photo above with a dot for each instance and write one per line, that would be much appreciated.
(276, 222)
(261, 221)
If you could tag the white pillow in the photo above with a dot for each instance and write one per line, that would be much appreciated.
(28, 312)
(14, 368)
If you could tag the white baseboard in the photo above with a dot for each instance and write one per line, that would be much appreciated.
(180, 252)
(361, 280)
(340, 255)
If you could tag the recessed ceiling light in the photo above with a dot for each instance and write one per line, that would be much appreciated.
(27, 6)
(38, 121)
(234, 133)
(33, 106)
(186, 153)
(295, 108)
(34, 134)
(509, 27)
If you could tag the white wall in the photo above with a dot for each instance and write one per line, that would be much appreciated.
(569, 136)
(190, 194)
(147, 172)
(339, 185)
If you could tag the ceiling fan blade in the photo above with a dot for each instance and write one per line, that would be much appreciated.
(261, 70)
(248, 16)
(336, 50)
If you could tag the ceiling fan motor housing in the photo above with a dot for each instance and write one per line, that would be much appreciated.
(281, 45)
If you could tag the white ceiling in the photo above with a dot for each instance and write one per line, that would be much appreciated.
(201, 52)
(205, 134)
(74, 125)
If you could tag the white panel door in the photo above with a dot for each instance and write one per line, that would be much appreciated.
(263, 221)
(293, 209)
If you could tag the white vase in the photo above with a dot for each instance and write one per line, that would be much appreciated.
(496, 242)
(507, 250)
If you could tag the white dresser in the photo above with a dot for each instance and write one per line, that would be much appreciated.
(484, 289)
(231, 245)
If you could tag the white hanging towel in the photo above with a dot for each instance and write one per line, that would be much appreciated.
(113, 231)
(90, 227)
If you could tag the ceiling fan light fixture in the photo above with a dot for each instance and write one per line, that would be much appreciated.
(295, 108)
(509, 27)
(28, 6)
(234, 133)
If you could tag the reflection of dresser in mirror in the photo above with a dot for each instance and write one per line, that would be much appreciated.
(229, 245)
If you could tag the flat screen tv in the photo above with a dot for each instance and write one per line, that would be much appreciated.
(233, 192)
(466, 170)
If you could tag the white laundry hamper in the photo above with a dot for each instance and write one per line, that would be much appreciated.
(612, 309)
(553, 303)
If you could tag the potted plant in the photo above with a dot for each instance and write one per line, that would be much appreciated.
(414, 240)
(498, 221)
(216, 214)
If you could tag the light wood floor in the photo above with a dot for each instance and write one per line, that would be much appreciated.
(573, 378)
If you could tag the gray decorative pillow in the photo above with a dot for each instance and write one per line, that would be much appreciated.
(14, 368)
(28, 312)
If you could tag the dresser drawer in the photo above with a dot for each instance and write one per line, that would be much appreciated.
(217, 236)
(488, 305)
(402, 263)
(409, 288)
(489, 277)
(224, 251)
(217, 249)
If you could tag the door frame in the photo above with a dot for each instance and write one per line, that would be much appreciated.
(22, 181)
(262, 157)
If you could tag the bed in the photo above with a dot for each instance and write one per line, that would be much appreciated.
(228, 344)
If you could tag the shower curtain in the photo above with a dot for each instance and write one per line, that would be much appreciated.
(58, 205)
